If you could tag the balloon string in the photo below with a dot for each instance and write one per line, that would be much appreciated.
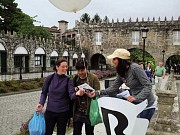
(82, 54)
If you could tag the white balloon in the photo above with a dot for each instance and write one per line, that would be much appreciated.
(70, 5)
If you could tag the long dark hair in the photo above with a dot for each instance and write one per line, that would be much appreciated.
(122, 66)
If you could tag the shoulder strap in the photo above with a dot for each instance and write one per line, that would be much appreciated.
(75, 80)
(49, 82)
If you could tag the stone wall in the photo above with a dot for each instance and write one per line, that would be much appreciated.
(12, 42)
(119, 35)
(168, 115)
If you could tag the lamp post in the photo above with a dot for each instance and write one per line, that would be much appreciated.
(1, 21)
(163, 52)
(144, 32)
(66, 55)
(20, 69)
(101, 59)
(42, 67)
(75, 57)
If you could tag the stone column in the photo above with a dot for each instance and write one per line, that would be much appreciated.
(164, 122)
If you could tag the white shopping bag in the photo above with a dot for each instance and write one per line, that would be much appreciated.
(156, 79)
(120, 116)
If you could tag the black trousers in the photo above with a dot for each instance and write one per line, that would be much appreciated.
(78, 128)
(60, 119)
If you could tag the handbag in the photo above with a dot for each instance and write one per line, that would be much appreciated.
(37, 124)
(94, 115)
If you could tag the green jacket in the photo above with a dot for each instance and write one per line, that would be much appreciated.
(93, 82)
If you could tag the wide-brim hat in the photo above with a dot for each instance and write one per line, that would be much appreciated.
(120, 53)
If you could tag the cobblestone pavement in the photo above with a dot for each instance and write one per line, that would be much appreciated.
(15, 109)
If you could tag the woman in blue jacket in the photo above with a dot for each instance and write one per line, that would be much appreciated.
(60, 91)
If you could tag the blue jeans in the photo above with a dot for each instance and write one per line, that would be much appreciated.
(147, 114)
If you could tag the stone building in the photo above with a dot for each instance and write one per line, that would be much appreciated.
(29, 54)
(101, 39)
(93, 41)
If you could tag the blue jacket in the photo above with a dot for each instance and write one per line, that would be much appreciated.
(61, 90)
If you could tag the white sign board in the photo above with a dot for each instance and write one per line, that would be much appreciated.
(120, 116)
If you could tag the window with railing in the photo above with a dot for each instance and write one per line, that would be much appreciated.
(135, 38)
(17, 61)
(98, 38)
(37, 60)
(176, 37)
(53, 60)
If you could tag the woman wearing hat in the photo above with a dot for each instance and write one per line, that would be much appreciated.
(135, 78)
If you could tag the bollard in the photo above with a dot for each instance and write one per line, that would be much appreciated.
(165, 122)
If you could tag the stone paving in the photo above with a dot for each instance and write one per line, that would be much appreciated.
(15, 109)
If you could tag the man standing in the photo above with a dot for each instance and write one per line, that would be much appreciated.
(160, 72)
(82, 103)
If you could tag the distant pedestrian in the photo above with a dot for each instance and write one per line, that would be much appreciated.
(160, 73)
(148, 73)
(175, 68)
(178, 68)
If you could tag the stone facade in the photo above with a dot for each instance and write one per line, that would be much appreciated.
(11, 43)
(119, 35)
(111, 36)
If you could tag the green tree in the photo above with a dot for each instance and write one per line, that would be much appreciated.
(40, 31)
(106, 19)
(16, 20)
(96, 19)
(85, 18)
(137, 56)
(8, 8)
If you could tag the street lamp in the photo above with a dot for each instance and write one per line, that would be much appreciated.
(20, 68)
(101, 59)
(75, 57)
(144, 32)
(163, 52)
(1, 22)
(42, 68)
(66, 55)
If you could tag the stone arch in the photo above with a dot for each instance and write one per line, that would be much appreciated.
(53, 58)
(2, 48)
(173, 62)
(136, 56)
(40, 51)
(173, 59)
(40, 58)
(97, 60)
(21, 51)
(3, 57)
(21, 59)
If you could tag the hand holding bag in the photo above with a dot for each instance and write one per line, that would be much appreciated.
(94, 115)
(37, 124)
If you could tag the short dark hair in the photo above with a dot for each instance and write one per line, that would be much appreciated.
(59, 61)
(81, 64)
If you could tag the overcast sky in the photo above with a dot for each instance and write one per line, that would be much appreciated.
(49, 15)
